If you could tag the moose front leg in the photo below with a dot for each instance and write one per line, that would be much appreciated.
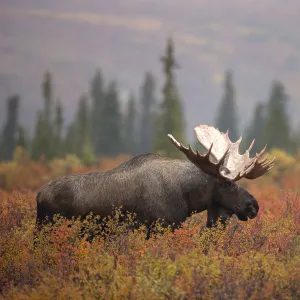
(216, 212)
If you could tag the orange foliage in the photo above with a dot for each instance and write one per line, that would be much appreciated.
(258, 259)
(30, 175)
(108, 163)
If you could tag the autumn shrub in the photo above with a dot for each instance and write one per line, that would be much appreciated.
(80, 259)
(64, 166)
(24, 173)
(106, 163)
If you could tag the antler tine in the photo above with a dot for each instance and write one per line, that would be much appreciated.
(254, 168)
(261, 152)
(202, 161)
(239, 140)
(251, 145)
(222, 159)
(191, 150)
(209, 150)
(260, 168)
(265, 159)
(187, 151)
(267, 163)
(175, 142)
(265, 170)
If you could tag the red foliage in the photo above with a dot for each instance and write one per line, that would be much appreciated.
(258, 259)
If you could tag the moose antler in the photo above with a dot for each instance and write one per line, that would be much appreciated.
(200, 160)
(227, 162)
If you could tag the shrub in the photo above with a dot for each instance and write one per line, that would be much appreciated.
(257, 259)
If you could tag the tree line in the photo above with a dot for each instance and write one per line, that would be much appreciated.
(99, 128)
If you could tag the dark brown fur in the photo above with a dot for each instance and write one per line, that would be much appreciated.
(153, 187)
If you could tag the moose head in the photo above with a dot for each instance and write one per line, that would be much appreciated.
(226, 166)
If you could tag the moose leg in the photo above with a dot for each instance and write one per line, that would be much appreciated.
(216, 212)
(150, 227)
(212, 216)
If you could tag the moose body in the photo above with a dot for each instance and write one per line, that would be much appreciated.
(155, 187)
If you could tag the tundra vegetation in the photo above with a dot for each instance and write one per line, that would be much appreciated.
(258, 259)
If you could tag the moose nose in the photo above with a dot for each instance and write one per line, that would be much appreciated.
(253, 211)
(252, 215)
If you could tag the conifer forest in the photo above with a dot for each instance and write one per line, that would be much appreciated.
(256, 259)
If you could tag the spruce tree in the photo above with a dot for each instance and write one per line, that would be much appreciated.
(9, 133)
(83, 136)
(277, 131)
(130, 132)
(47, 90)
(44, 138)
(39, 140)
(70, 145)
(147, 115)
(98, 99)
(21, 140)
(170, 118)
(59, 151)
(227, 115)
(255, 130)
(112, 143)
(82, 120)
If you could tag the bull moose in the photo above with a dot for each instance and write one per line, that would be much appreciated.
(156, 187)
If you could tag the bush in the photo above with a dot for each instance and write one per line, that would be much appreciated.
(257, 259)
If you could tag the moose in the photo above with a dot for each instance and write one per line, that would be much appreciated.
(161, 188)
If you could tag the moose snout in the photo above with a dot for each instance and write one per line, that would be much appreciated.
(252, 209)
(252, 214)
(248, 210)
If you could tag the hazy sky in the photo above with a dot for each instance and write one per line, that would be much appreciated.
(259, 40)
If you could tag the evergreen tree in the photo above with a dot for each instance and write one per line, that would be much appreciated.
(58, 129)
(44, 138)
(111, 123)
(38, 146)
(254, 130)
(82, 124)
(277, 131)
(98, 98)
(130, 126)
(170, 119)
(70, 145)
(227, 116)
(47, 90)
(148, 113)
(10, 129)
(21, 140)
(84, 148)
